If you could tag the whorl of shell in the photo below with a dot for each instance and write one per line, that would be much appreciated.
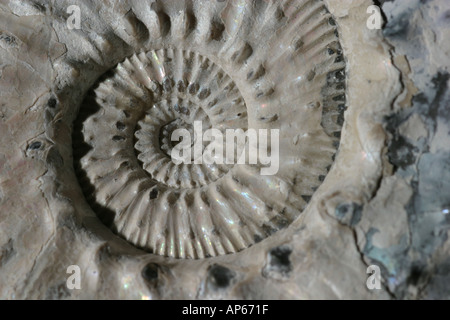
(230, 65)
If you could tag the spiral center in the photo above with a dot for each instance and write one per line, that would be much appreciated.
(184, 120)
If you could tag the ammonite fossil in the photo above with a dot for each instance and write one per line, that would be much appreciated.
(228, 65)
(91, 197)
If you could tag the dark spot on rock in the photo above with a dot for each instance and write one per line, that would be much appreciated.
(398, 27)
(243, 54)
(416, 274)
(220, 277)
(217, 29)
(39, 6)
(279, 14)
(120, 126)
(420, 98)
(35, 145)
(154, 193)
(52, 103)
(349, 213)
(307, 198)
(204, 94)
(9, 40)
(401, 153)
(268, 230)
(340, 119)
(164, 21)
(118, 138)
(340, 97)
(185, 111)
(181, 86)
(279, 264)
(440, 105)
(124, 164)
(6, 252)
(257, 238)
(193, 88)
(340, 75)
(342, 107)
(311, 75)
(298, 44)
(167, 85)
(213, 103)
(339, 58)
(150, 272)
(281, 222)
(191, 22)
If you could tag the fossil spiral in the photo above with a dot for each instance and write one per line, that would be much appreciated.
(209, 62)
